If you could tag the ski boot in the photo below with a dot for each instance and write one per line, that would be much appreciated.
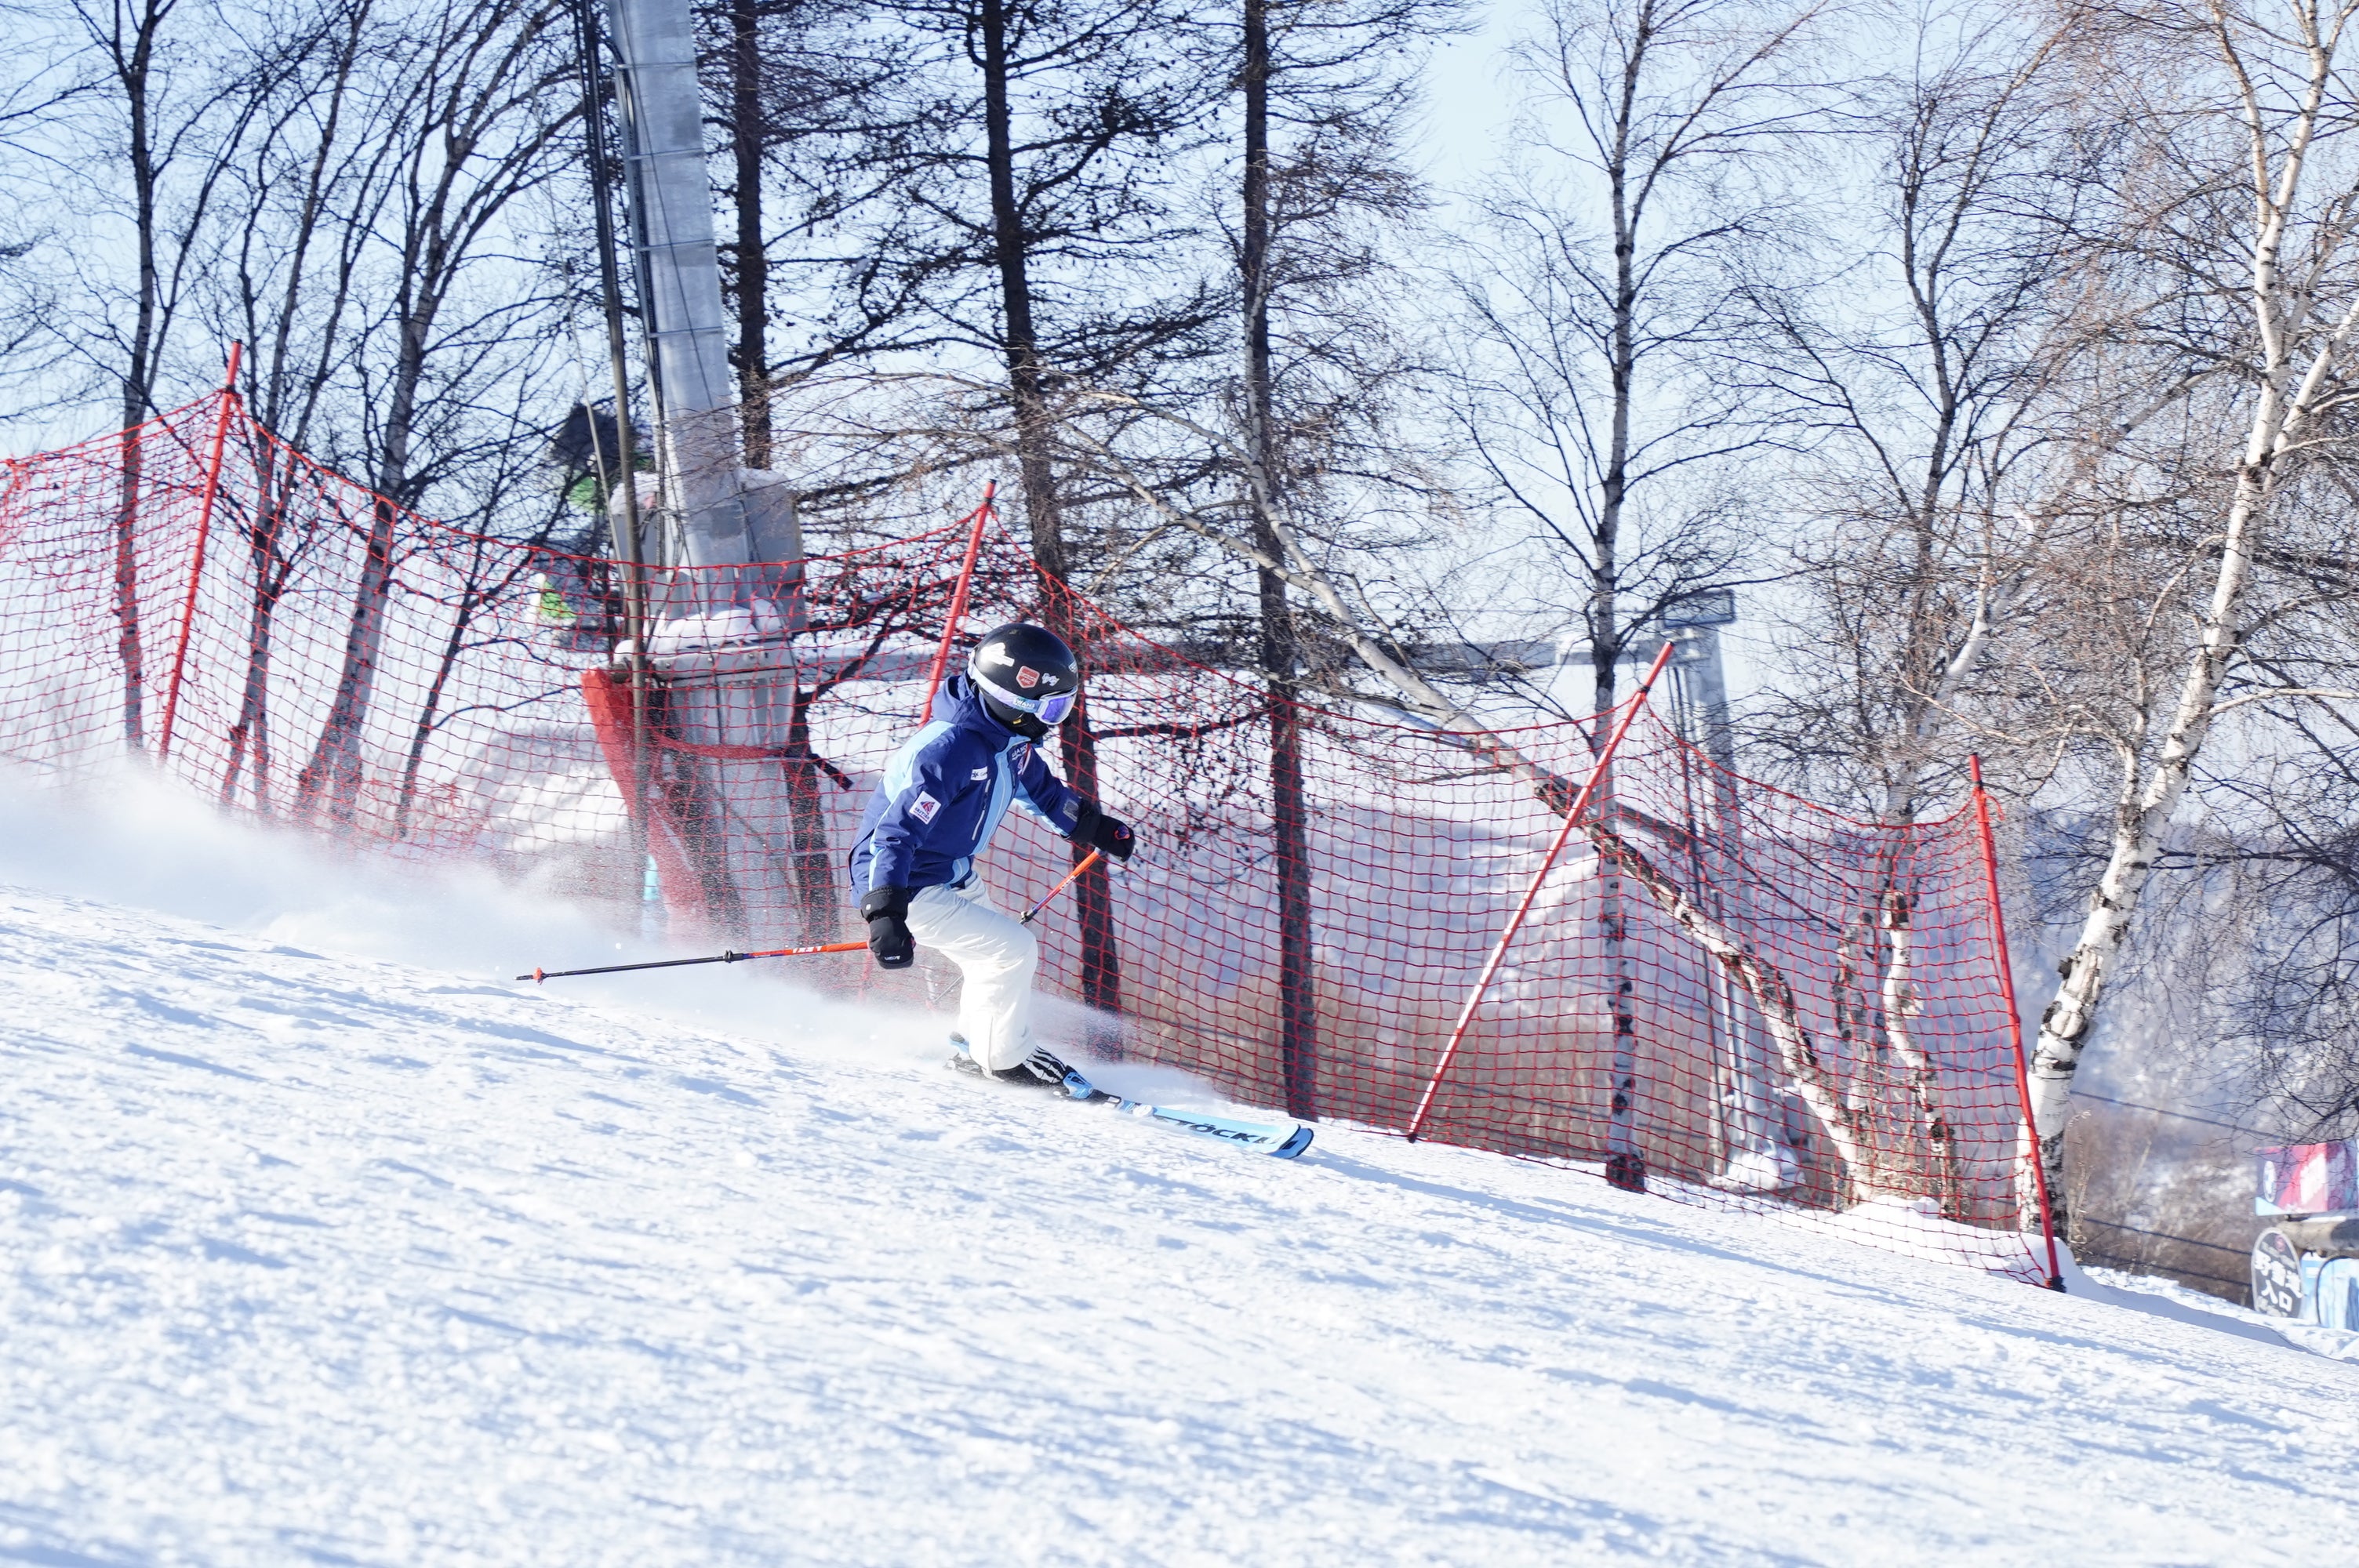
(1050, 1072)
(1042, 1069)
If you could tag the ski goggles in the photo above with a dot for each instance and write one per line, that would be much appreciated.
(1050, 709)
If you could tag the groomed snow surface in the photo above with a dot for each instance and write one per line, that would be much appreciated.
(322, 1242)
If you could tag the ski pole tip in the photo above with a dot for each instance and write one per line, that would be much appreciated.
(536, 977)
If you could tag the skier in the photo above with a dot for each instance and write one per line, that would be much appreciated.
(934, 814)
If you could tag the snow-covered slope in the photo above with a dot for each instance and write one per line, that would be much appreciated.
(311, 1255)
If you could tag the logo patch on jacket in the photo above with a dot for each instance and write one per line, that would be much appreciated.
(980, 774)
(924, 807)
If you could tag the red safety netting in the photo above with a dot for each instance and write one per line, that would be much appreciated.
(1719, 992)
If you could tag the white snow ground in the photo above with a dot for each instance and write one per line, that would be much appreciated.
(308, 1254)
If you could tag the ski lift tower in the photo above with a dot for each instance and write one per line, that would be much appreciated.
(722, 603)
(1758, 1144)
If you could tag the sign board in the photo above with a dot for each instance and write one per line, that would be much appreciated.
(2277, 1275)
(2308, 1178)
(1712, 607)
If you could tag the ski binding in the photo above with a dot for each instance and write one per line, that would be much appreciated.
(1283, 1140)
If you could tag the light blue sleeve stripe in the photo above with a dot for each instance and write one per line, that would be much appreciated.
(901, 773)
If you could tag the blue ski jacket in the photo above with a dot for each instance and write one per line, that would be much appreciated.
(943, 793)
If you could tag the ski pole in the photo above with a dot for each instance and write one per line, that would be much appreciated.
(729, 958)
(1089, 860)
(722, 957)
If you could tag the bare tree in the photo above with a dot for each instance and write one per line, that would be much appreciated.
(482, 111)
(311, 188)
(1941, 430)
(2243, 196)
(799, 85)
(161, 135)
(1323, 96)
(1604, 296)
(45, 83)
(1932, 427)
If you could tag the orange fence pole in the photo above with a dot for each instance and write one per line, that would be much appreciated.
(958, 598)
(1515, 921)
(197, 554)
(2014, 1017)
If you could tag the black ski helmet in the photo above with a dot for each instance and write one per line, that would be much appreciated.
(1027, 676)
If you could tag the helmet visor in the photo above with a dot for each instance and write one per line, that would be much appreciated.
(1049, 709)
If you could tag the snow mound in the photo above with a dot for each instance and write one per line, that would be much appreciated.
(2169, 1298)
(321, 1242)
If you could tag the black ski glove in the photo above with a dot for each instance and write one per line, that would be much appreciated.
(887, 910)
(1099, 831)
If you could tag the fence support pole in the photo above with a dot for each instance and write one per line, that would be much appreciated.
(958, 598)
(2014, 1017)
(1515, 921)
(630, 546)
(197, 553)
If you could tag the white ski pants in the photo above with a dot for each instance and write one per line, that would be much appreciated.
(997, 954)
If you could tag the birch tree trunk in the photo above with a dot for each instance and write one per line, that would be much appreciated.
(2147, 803)
(1625, 1166)
(1845, 1122)
(1921, 1077)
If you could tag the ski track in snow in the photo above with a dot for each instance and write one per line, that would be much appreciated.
(315, 1259)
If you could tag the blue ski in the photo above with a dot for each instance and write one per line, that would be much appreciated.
(1280, 1139)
